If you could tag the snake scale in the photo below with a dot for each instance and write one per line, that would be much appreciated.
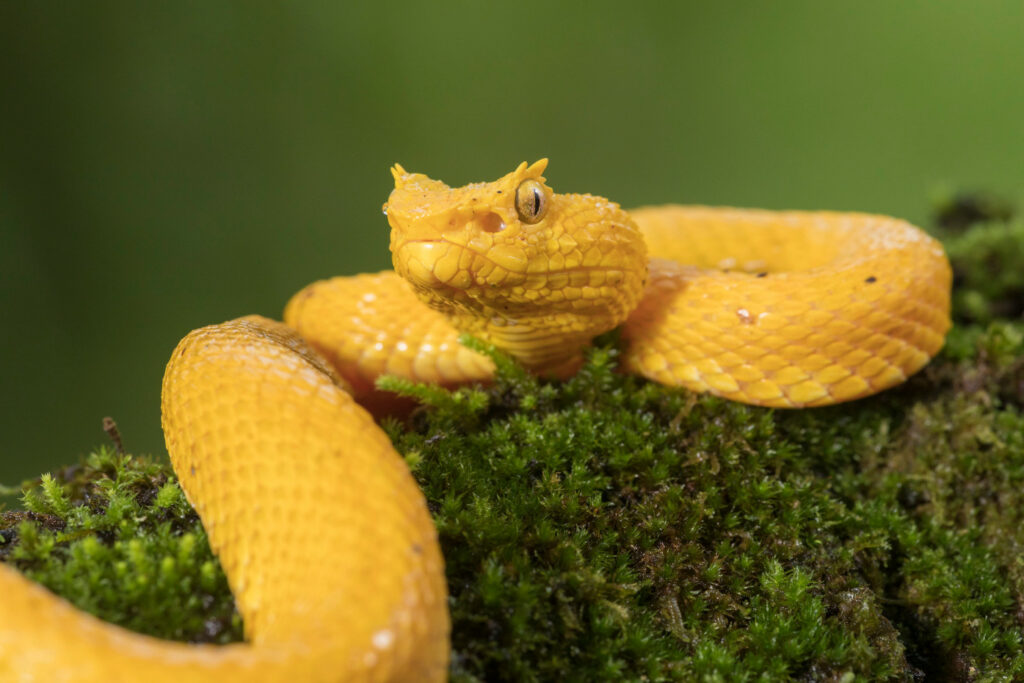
(324, 536)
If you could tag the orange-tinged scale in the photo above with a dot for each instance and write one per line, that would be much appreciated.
(816, 318)
(729, 360)
(708, 366)
(771, 321)
(853, 386)
(834, 373)
(792, 331)
(806, 391)
(763, 390)
(747, 373)
(790, 375)
(890, 376)
(722, 383)
(325, 539)
(871, 367)
(793, 352)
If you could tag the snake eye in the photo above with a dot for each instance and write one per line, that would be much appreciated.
(531, 201)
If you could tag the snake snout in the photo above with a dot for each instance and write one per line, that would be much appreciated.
(432, 264)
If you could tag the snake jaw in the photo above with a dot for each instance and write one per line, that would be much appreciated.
(433, 264)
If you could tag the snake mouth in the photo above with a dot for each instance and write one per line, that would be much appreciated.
(434, 264)
(452, 274)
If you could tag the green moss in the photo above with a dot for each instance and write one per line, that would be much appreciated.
(957, 211)
(988, 261)
(117, 538)
(606, 528)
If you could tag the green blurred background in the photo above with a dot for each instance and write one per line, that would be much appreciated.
(164, 165)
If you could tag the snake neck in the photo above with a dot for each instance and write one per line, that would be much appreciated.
(535, 273)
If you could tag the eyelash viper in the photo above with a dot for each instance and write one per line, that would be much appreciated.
(326, 540)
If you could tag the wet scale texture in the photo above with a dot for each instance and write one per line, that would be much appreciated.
(326, 540)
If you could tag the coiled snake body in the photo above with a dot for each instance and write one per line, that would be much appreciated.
(326, 540)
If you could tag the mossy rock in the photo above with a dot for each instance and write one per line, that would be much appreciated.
(606, 528)
(115, 536)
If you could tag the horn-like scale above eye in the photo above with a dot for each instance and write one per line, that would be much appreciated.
(531, 201)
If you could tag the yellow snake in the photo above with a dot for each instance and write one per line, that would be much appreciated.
(326, 540)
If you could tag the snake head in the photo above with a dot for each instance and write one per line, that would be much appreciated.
(511, 261)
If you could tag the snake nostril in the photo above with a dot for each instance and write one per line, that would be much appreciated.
(491, 222)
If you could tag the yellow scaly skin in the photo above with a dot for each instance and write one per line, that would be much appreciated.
(324, 537)
(782, 309)
(322, 532)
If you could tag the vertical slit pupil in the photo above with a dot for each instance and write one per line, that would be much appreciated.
(536, 201)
